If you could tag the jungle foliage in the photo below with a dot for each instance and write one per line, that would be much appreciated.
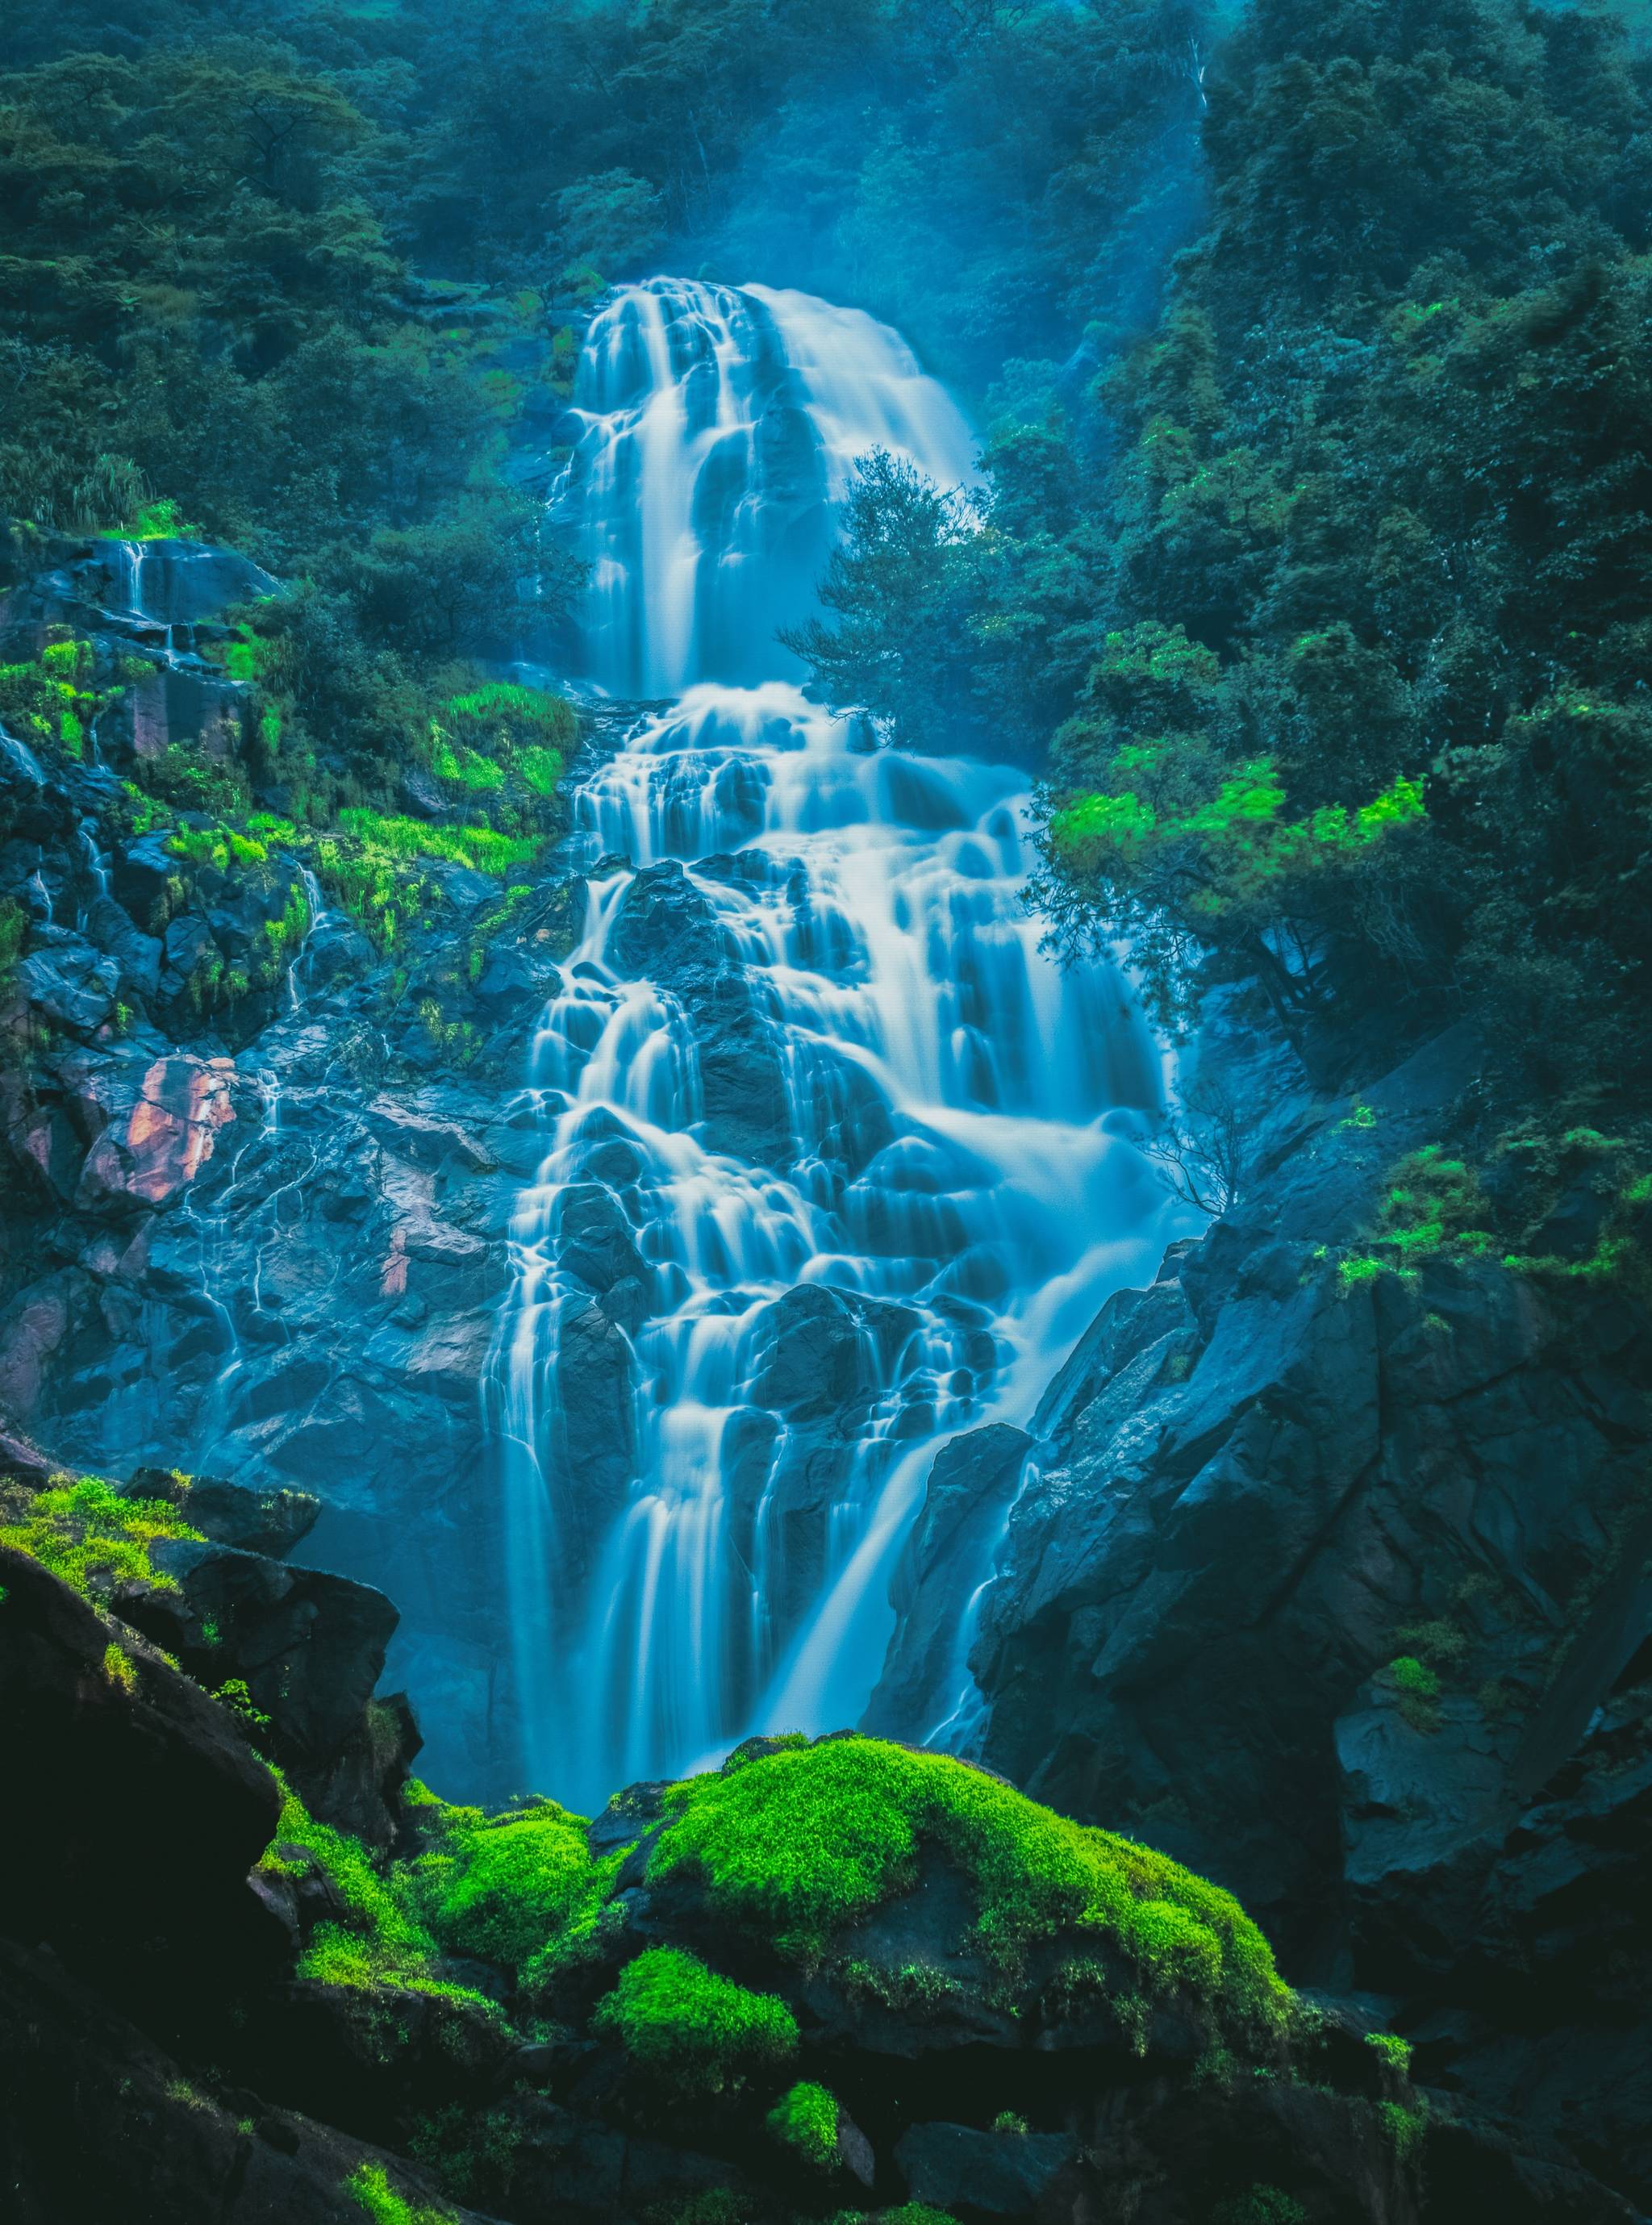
(1324, 608)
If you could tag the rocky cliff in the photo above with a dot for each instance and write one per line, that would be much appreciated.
(260, 1165)
(1324, 1566)
(834, 1978)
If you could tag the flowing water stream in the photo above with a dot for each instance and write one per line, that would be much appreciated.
(836, 1162)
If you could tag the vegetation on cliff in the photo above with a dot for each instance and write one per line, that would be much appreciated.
(1323, 608)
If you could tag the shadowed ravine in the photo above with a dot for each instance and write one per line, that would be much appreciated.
(836, 1163)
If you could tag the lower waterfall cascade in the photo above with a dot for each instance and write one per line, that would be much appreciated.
(837, 1162)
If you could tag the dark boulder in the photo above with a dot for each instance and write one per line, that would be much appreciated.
(945, 1558)
(993, 2174)
(268, 1522)
(135, 1810)
(98, 2123)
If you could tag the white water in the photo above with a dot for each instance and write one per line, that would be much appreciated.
(715, 430)
(950, 1163)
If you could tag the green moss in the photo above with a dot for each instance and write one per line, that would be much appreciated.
(1260, 2205)
(800, 1845)
(1405, 2126)
(220, 846)
(236, 1696)
(370, 2185)
(1394, 2050)
(806, 2120)
(89, 1536)
(1418, 1686)
(1414, 1676)
(484, 849)
(14, 927)
(507, 1888)
(120, 1670)
(692, 2028)
(1011, 2121)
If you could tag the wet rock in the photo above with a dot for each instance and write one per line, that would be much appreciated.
(819, 1350)
(72, 983)
(974, 2174)
(945, 1556)
(596, 1452)
(112, 929)
(182, 1104)
(668, 931)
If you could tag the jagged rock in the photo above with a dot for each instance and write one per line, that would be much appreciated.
(112, 929)
(269, 1521)
(73, 983)
(182, 1104)
(945, 1555)
(309, 1645)
(127, 1789)
(822, 1350)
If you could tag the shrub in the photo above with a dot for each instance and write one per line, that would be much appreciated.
(691, 2028)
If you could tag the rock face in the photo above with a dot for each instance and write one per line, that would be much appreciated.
(1254, 1489)
(258, 1177)
(668, 933)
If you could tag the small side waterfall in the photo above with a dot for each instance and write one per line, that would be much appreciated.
(836, 1162)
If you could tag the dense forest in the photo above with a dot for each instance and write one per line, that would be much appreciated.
(1301, 604)
(1312, 552)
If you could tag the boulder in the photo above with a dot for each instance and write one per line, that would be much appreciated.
(993, 2174)
(72, 983)
(134, 1809)
(101, 2123)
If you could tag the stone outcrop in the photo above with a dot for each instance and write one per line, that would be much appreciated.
(1332, 1586)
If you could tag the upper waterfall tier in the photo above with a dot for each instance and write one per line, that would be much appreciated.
(717, 431)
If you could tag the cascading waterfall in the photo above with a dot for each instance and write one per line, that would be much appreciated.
(837, 1162)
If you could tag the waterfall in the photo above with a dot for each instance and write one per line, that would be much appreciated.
(715, 429)
(836, 1162)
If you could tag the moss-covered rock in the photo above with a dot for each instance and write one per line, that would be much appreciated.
(915, 1882)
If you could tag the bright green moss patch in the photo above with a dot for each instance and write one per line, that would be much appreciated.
(484, 849)
(1394, 2050)
(806, 2120)
(692, 2028)
(803, 1844)
(88, 1536)
(506, 1888)
(120, 1670)
(370, 2185)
